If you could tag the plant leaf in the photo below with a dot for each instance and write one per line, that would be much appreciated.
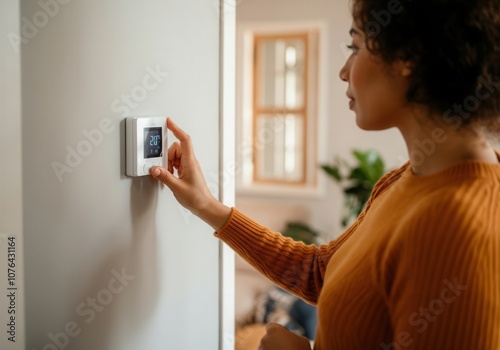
(333, 171)
(359, 175)
(371, 164)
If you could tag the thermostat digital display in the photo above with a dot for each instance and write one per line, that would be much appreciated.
(145, 139)
(152, 143)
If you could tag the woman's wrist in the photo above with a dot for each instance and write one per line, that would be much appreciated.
(215, 214)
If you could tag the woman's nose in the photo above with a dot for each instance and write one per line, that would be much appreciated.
(344, 73)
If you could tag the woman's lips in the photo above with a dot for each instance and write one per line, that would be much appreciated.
(351, 100)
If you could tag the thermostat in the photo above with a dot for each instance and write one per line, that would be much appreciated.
(145, 139)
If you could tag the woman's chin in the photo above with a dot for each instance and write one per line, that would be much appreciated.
(369, 125)
(362, 123)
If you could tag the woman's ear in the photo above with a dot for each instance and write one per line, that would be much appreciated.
(406, 68)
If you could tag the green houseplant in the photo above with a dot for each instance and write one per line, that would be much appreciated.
(357, 180)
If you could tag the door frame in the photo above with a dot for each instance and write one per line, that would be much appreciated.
(227, 149)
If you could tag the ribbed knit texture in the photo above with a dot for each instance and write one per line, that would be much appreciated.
(419, 269)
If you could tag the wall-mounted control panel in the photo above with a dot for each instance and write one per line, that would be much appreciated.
(146, 141)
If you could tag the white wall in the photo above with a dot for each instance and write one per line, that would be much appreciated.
(342, 133)
(91, 223)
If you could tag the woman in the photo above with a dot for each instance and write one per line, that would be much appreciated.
(420, 268)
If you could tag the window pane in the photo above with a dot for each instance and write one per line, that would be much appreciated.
(280, 78)
(279, 147)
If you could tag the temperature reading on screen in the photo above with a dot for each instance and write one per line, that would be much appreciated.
(152, 143)
(154, 140)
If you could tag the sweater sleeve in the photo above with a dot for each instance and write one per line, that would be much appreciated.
(294, 266)
(441, 278)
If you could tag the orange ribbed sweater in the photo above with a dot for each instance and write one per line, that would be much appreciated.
(419, 269)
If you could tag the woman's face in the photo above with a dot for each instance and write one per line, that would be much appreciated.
(376, 90)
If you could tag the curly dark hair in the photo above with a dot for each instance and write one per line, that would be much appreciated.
(454, 46)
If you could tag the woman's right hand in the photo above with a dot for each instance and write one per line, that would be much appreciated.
(279, 338)
(190, 188)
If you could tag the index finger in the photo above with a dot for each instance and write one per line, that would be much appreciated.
(182, 136)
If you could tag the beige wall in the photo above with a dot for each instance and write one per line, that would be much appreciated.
(10, 169)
